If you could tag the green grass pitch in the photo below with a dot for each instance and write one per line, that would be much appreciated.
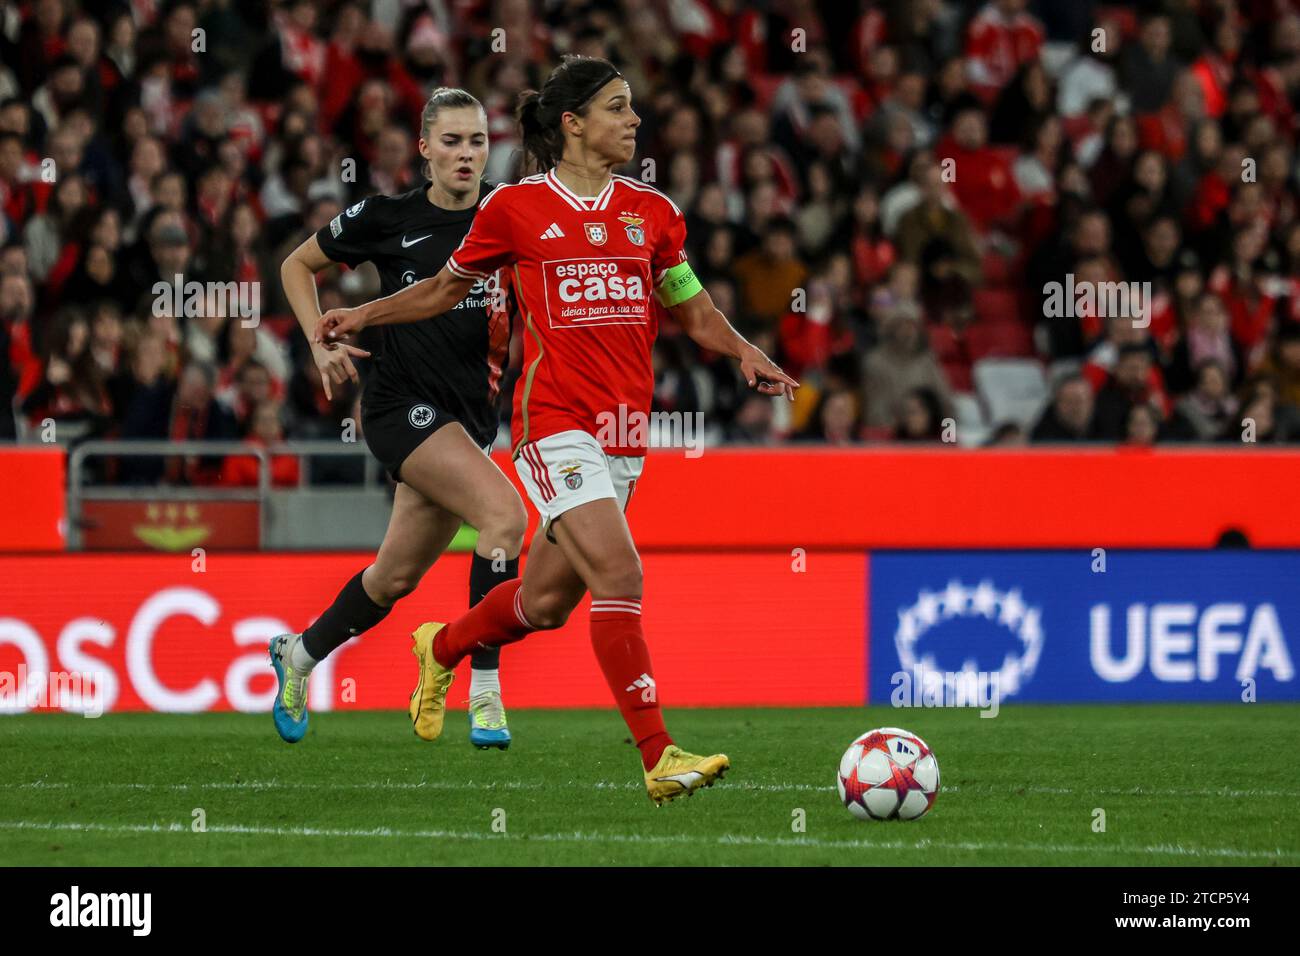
(1178, 784)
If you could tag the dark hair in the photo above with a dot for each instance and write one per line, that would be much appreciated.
(1068, 379)
(781, 224)
(930, 401)
(1233, 539)
(568, 89)
(253, 365)
(444, 98)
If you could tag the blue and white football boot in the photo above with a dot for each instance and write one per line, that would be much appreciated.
(487, 721)
(290, 709)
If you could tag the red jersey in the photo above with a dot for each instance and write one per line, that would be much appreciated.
(998, 45)
(583, 269)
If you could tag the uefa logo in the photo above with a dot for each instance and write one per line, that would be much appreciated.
(421, 416)
(960, 607)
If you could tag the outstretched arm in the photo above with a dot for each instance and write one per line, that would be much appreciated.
(709, 328)
(421, 300)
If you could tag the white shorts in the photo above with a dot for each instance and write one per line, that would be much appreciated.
(568, 469)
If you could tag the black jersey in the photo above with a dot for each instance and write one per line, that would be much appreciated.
(453, 360)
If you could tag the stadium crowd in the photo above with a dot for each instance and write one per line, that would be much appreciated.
(877, 193)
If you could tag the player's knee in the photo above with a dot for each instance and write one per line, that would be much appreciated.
(547, 611)
(392, 587)
(505, 527)
(622, 579)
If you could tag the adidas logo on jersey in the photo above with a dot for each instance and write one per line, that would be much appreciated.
(553, 231)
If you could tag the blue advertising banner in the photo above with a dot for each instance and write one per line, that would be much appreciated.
(1083, 626)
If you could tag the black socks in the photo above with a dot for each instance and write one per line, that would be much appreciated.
(352, 613)
(482, 579)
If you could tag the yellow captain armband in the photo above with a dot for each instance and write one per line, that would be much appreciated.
(678, 285)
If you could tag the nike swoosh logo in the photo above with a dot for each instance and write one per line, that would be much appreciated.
(407, 245)
(687, 780)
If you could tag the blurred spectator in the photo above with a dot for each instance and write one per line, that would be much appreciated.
(872, 253)
(809, 338)
(837, 419)
(754, 423)
(1090, 75)
(72, 389)
(1206, 339)
(934, 219)
(1282, 367)
(1069, 417)
(1207, 412)
(1148, 67)
(1007, 435)
(1122, 333)
(1129, 385)
(898, 366)
(1001, 39)
(1100, 145)
(1258, 425)
(191, 413)
(920, 417)
(1142, 426)
(47, 232)
(264, 430)
(767, 277)
(982, 181)
(252, 387)
(1022, 106)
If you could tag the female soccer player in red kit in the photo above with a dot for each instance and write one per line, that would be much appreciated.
(586, 249)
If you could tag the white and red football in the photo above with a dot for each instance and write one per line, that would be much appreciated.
(888, 774)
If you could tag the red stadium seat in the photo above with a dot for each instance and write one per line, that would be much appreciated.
(996, 305)
(959, 375)
(998, 269)
(765, 86)
(1000, 338)
(872, 433)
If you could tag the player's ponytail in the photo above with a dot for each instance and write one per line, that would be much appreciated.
(569, 89)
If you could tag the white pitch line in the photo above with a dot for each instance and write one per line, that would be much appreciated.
(497, 785)
(632, 838)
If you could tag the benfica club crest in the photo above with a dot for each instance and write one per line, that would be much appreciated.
(635, 234)
(572, 472)
(596, 233)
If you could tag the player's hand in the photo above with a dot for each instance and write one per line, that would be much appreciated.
(765, 376)
(334, 362)
(336, 323)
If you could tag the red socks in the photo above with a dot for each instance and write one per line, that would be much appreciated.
(616, 638)
(620, 648)
(497, 619)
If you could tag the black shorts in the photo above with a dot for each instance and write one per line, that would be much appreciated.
(393, 431)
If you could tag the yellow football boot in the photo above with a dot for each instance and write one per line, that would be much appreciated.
(678, 772)
(429, 699)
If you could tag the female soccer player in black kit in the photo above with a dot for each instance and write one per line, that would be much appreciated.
(428, 411)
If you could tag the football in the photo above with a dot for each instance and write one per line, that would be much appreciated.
(888, 774)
